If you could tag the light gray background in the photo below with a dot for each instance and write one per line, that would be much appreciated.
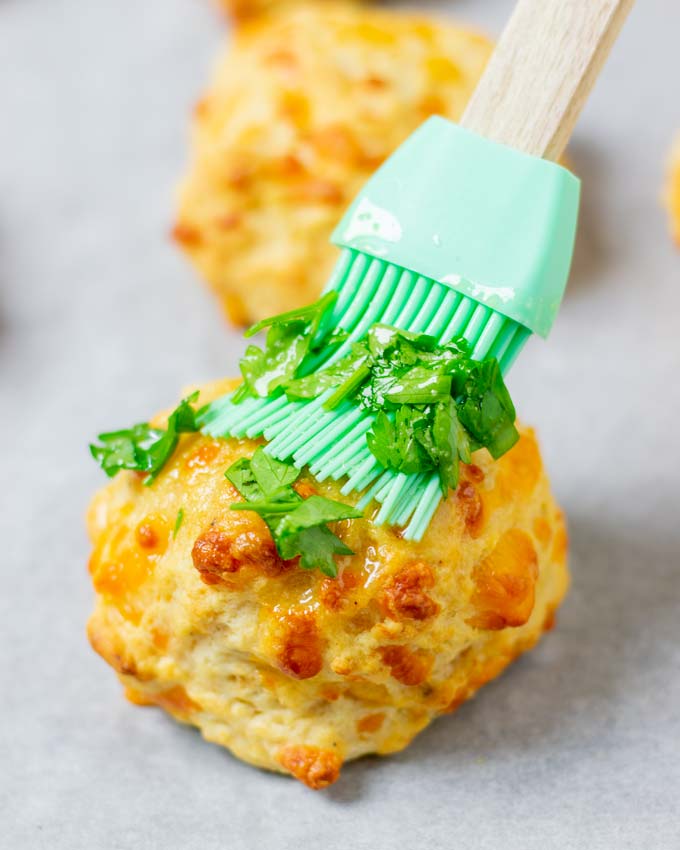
(101, 323)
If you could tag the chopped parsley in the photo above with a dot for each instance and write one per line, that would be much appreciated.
(432, 407)
(299, 527)
(433, 404)
(421, 438)
(143, 448)
(290, 338)
(178, 522)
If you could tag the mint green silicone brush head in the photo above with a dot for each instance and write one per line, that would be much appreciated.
(456, 236)
(414, 259)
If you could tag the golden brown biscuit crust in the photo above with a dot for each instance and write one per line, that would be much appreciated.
(307, 102)
(297, 672)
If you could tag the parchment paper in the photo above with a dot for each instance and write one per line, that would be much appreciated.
(102, 322)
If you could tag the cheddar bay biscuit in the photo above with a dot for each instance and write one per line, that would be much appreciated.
(297, 672)
(306, 103)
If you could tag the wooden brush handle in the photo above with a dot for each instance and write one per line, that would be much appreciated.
(542, 71)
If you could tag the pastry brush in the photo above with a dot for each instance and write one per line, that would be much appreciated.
(466, 231)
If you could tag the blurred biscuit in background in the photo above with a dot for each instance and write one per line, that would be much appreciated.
(673, 191)
(244, 8)
(305, 104)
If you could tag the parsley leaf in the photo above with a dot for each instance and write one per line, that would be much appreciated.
(316, 510)
(432, 404)
(394, 440)
(271, 474)
(143, 448)
(452, 444)
(393, 344)
(125, 449)
(298, 526)
(181, 421)
(178, 522)
(265, 370)
(291, 336)
(419, 386)
(486, 409)
(317, 546)
(312, 314)
(421, 438)
(242, 477)
(337, 376)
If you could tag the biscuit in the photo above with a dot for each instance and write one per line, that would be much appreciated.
(296, 672)
(305, 105)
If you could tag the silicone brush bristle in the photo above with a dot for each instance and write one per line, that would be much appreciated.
(332, 443)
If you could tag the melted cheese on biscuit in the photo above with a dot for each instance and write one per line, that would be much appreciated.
(297, 672)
